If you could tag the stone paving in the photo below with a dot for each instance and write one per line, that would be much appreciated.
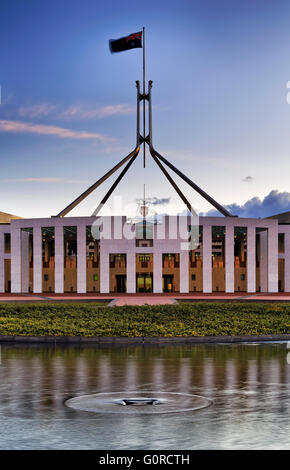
(150, 300)
(142, 299)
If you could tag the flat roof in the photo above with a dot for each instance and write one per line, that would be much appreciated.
(5, 217)
(283, 218)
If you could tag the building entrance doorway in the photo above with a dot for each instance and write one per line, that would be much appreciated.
(144, 282)
(167, 282)
(7, 275)
(121, 282)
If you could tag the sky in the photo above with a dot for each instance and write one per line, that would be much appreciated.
(220, 71)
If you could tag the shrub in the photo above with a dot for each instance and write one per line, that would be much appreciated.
(184, 319)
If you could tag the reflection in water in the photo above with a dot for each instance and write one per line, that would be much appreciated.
(249, 386)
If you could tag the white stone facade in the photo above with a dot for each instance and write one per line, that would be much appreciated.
(117, 236)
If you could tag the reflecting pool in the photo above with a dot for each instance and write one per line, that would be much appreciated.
(247, 386)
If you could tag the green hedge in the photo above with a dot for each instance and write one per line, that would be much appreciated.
(195, 319)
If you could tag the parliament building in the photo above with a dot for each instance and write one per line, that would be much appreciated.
(64, 254)
(113, 254)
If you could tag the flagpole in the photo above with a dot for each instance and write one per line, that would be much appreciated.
(144, 104)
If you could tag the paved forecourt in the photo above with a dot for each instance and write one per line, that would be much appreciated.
(141, 299)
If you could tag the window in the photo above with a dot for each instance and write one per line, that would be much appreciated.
(7, 242)
(46, 277)
(243, 277)
(144, 243)
(281, 242)
(193, 277)
(117, 260)
(144, 258)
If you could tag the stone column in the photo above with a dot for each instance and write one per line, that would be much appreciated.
(287, 262)
(171, 227)
(81, 259)
(273, 258)
(264, 260)
(157, 273)
(37, 260)
(251, 258)
(207, 258)
(104, 272)
(59, 260)
(15, 260)
(230, 261)
(184, 271)
(131, 272)
(2, 263)
(24, 261)
(161, 230)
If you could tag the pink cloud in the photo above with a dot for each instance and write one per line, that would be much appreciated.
(82, 112)
(37, 110)
(75, 111)
(25, 127)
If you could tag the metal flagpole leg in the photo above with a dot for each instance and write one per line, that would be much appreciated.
(97, 183)
(186, 202)
(114, 185)
(138, 136)
(200, 191)
(214, 203)
(115, 168)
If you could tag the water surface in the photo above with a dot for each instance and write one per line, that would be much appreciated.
(248, 385)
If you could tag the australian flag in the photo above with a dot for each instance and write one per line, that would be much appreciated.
(129, 42)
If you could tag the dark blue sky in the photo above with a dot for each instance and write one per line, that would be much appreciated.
(220, 70)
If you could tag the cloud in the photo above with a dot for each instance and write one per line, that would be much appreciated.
(37, 110)
(43, 129)
(83, 112)
(155, 201)
(75, 111)
(248, 179)
(274, 203)
(45, 179)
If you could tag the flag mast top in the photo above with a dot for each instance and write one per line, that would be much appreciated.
(131, 42)
(144, 104)
(123, 44)
(144, 60)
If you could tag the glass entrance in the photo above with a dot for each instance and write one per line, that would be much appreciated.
(167, 280)
(144, 282)
(121, 281)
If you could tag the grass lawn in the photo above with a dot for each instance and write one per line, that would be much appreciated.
(186, 319)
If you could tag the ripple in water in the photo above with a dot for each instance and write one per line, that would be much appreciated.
(166, 402)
